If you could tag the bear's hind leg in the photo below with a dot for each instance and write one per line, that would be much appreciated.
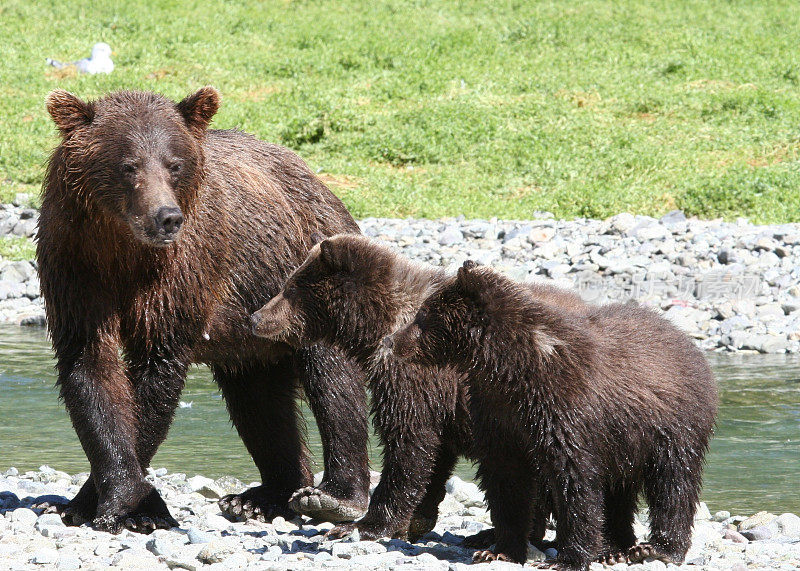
(262, 404)
(672, 489)
(618, 536)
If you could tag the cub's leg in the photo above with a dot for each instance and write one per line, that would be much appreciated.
(672, 489)
(511, 488)
(335, 390)
(427, 511)
(618, 536)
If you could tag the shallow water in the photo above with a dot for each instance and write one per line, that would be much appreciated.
(754, 462)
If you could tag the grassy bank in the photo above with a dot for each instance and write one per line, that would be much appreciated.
(433, 108)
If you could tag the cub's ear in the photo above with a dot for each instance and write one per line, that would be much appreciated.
(336, 258)
(68, 112)
(198, 108)
(468, 280)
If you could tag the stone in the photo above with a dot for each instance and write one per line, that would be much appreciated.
(218, 550)
(620, 223)
(160, 546)
(346, 550)
(788, 524)
(451, 235)
(206, 487)
(45, 557)
(197, 536)
(68, 561)
(721, 515)
(24, 516)
(702, 512)
(466, 493)
(758, 533)
(134, 559)
(734, 536)
(673, 217)
(756, 520)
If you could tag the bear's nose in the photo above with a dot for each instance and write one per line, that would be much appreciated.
(169, 219)
(388, 342)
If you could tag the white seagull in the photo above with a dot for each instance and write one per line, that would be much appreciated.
(98, 62)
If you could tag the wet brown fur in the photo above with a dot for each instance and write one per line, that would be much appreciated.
(130, 305)
(352, 292)
(597, 406)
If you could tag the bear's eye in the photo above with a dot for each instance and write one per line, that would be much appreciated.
(175, 167)
(127, 169)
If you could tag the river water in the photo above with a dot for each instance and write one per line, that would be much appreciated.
(754, 462)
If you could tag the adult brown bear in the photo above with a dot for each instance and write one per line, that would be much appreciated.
(157, 240)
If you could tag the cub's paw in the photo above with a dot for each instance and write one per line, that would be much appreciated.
(642, 551)
(613, 558)
(318, 504)
(419, 526)
(486, 556)
(341, 531)
(255, 503)
(480, 540)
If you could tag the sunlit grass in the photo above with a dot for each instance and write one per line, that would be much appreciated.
(434, 108)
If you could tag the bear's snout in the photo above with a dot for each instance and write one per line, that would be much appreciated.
(168, 220)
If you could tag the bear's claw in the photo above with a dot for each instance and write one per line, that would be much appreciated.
(419, 526)
(613, 558)
(246, 506)
(140, 523)
(486, 555)
(642, 551)
(317, 504)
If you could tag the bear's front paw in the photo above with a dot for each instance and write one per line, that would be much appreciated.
(149, 514)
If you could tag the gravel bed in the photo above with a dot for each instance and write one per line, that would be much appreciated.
(731, 286)
(206, 539)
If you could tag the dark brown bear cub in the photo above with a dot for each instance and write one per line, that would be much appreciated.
(596, 406)
(351, 292)
(158, 237)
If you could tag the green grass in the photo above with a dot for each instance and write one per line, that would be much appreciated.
(15, 249)
(434, 108)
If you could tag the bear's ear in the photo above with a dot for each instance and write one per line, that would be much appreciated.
(335, 258)
(68, 112)
(198, 109)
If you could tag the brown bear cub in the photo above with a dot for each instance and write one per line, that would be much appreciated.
(158, 238)
(351, 293)
(595, 406)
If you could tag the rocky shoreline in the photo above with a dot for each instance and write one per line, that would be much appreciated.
(208, 540)
(731, 286)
